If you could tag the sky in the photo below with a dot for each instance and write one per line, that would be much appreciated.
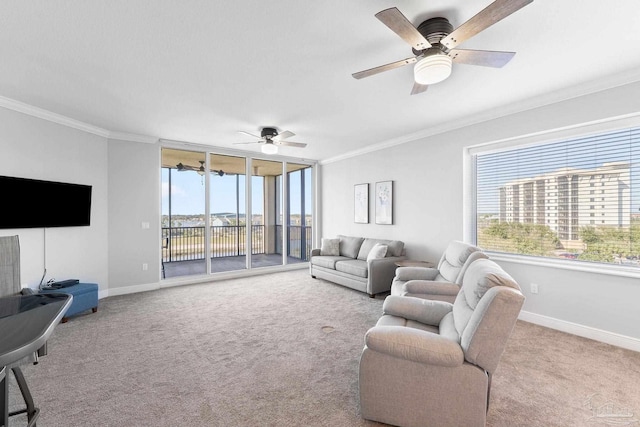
(188, 193)
(494, 170)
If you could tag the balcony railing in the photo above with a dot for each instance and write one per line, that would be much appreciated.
(187, 243)
(299, 241)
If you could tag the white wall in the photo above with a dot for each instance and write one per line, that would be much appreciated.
(34, 148)
(134, 198)
(428, 212)
(428, 207)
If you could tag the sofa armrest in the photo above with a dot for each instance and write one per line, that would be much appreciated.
(428, 312)
(380, 274)
(414, 345)
(416, 273)
(430, 287)
(315, 252)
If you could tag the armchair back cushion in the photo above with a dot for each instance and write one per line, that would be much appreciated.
(485, 311)
(455, 259)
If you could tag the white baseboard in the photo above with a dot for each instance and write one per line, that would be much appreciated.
(612, 338)
(111, 292)
(191, 280)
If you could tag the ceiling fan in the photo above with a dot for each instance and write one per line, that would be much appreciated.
(271, 139)
(434, 43)
(182, 167)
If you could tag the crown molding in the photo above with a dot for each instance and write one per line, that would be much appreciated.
(554, 97)
(30, 110)
(21, 107)
(122, 136)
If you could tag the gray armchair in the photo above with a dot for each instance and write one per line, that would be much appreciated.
(441, 283)
(430, 363)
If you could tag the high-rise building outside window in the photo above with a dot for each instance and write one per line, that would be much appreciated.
(511, 198)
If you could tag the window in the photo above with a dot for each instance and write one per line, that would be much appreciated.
(220, 211)
(574, 164)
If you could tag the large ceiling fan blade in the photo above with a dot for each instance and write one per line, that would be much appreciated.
(399, 24)
(418, 88)
(290, 144)
(283, 135)
(493, 13)
(250, 142)
(485, 58)
(381, 68)
(249, 134)
(182, 167)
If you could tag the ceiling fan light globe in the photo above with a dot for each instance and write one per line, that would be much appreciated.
(432, 69)
(269, 148)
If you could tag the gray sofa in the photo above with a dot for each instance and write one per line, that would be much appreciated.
(351, 267)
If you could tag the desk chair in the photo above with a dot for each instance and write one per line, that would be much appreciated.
(10, 285)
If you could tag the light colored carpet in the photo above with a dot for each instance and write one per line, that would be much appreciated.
(282, 350)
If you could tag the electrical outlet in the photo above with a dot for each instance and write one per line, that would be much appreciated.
(145, 266)
(534, 288)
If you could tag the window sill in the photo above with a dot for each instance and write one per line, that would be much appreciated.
(587, 267)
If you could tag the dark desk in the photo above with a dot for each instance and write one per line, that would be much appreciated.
(26, 322)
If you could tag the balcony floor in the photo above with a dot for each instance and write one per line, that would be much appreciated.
(218, 265)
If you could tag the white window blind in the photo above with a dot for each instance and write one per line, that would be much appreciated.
(576, 199)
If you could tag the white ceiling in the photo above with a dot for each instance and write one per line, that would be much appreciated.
(201, 70)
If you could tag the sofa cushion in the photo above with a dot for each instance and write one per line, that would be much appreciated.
(355, 267)
(327, 261)
(394, 247)
(330, 247)
(378, 251)
(350, 246)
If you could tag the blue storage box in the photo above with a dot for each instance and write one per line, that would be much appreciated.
(85, 297)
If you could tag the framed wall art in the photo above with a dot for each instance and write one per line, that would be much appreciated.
(384, 202)
(361, 203)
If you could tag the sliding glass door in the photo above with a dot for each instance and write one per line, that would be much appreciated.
(261, 222)
(266, 208)
(227, 212)
(299, 218)
(183, 213)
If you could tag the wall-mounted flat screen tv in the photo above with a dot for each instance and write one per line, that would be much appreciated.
(33, 203)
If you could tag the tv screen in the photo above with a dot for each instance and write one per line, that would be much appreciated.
(32, 203)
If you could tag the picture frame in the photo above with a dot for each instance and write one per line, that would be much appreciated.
(361, 203)
(384, 202)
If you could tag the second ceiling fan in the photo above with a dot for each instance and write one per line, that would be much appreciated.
(434, 43)
(271, 139)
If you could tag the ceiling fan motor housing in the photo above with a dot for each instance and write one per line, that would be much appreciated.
(434, 30)
(268, 133)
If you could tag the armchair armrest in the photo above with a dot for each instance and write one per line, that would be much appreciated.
(428, 312)
(416, 273)
(414, 345)
(430, 287)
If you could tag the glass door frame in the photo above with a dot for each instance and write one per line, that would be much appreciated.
(282, 202)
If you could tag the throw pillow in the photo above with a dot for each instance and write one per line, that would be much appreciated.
(330, 247)
(377, 251)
